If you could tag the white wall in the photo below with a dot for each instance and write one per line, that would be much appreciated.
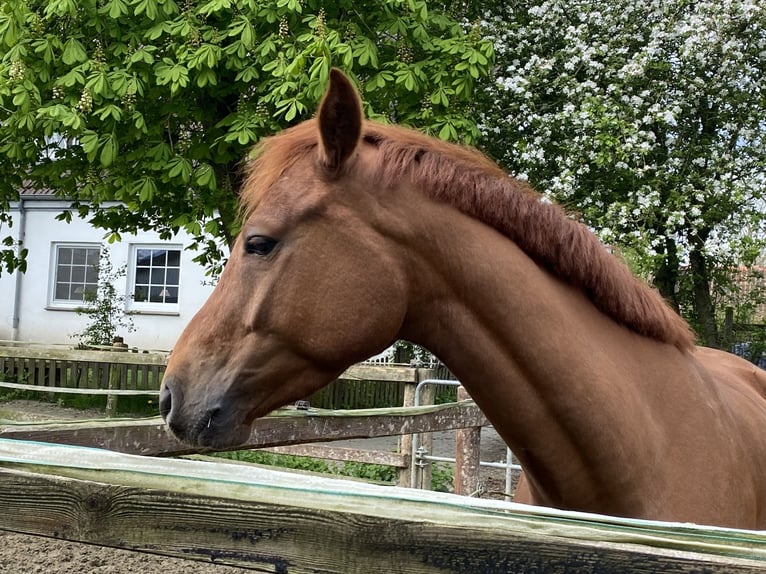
(40, 321)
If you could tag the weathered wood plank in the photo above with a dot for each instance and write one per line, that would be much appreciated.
(386, 373)
(285, 427)
(365, 372)
(277, 522)
(467, 455)
(49, 353)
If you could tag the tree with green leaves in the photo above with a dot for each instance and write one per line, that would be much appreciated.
(104, 307)
(646, 119)
(155, 103)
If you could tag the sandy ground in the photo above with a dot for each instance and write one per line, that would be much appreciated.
(24, 554)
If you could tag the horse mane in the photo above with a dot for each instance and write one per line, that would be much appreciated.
(466, 179)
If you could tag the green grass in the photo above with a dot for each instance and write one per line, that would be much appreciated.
(442, 473)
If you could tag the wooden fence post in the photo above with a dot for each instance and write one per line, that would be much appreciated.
(115, 376)
(426, 440)
(467, 455)
(405, 440)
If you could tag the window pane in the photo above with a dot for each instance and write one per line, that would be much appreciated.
(171, 277)
(156, 296)
(91, 257)
(63, 274)
(91, 275)
(64, 255)
(159, 258)
(62, 291)
(140, 293)
(142, 275)
(79, 256)
(144, 257)
(78, 274)
(174, 258)
(158, 276)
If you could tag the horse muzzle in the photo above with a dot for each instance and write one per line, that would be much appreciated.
(198, 424)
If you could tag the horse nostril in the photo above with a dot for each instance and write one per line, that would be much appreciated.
(166, 401)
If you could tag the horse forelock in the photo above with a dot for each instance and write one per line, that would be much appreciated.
(466, 179)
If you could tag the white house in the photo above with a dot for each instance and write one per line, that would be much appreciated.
(163, 288)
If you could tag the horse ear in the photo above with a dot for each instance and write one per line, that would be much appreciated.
(340, 121)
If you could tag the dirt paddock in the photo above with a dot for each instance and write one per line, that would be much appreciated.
(24, 554)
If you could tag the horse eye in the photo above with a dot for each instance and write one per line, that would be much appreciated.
(260, 244)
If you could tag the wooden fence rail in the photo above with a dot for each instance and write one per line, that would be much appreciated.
(283, 427)
(48, 366)
(277, 522)
(66, 370)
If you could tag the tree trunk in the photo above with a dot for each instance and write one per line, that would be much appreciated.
(703, 301)
(666, 277)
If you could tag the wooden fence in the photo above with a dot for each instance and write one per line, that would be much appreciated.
(94, 372)
(55, 366)
(280, 522)
(267, 520)
(62, 369)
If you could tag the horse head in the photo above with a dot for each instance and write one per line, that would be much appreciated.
(310, 287)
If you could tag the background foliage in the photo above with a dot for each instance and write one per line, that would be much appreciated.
(154, 103)
(644, 119)
(647, 120)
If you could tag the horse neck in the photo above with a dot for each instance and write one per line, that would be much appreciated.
(548, 369)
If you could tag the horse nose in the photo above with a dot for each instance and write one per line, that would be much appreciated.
(166, 399)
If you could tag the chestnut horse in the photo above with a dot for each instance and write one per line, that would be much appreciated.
(356, 234)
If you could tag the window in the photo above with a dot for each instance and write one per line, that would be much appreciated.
(75, 273)
(155, 278)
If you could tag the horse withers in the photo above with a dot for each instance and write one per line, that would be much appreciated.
(356, 234)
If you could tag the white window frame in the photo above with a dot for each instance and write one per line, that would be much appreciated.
(65, 304)
(149, 307)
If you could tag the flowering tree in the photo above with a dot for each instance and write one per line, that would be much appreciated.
(648, 120)
(154, 103)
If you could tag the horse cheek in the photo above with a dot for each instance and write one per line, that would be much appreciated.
(370, 319)
(349, 322)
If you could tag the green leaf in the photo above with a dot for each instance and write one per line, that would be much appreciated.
(98, 83)
(180, 167)
(148, 7)
(45, 47)
(89, 143)
(206, 77)
(145, 188)
(143, 54)
(21, 99)
(212, 227)
(109, 111)
(139, 121)
(173, 73)
(72, 78)
(448, 132)
(215, 6)
(61, 8)
(204, 176)
(109, 149)
(115, 9)
(74, 52)
(206, 55)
